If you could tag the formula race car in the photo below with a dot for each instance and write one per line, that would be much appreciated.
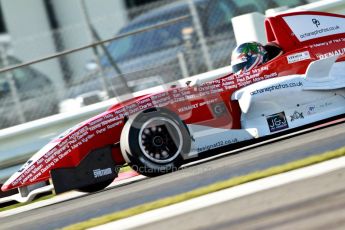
(156, 133)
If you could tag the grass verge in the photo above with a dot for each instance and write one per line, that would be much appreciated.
(125, 168)
(207, 189)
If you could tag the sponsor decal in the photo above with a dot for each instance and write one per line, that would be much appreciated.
(316, 22)
(102, 172)
(311, 109)
(296, 116)
(307, 27)
(188, 108)
(195, 106)
(319, 32)
(332, 53)
(219, 109)
(217, 145)
(298, 57)
(326, 104)
(277, 122)
(277, 87)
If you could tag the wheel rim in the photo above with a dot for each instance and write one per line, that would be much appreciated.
(160, 140)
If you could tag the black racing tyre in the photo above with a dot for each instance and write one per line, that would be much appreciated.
(153, 142)
(96, 187)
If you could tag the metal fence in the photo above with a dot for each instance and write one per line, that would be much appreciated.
(145, 55)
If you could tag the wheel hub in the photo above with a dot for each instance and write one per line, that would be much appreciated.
(160, 140)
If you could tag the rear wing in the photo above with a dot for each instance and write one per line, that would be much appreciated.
(298, 29)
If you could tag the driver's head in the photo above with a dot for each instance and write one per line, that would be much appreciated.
(247, 56)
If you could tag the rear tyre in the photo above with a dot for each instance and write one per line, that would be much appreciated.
(152, 142)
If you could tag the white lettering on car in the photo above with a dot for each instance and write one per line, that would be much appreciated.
(101, 172)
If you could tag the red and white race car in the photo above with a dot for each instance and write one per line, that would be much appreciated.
(157, 132)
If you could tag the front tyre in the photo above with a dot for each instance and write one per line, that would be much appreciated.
(153, 141)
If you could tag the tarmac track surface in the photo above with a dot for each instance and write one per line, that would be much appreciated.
(313, 203)
(114, 199)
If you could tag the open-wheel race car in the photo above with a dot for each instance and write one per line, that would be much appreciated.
(156, 133)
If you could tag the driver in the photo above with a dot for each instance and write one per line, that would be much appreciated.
(249, 55)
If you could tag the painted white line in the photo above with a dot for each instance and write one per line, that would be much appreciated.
(62, 197)
(225, 195)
